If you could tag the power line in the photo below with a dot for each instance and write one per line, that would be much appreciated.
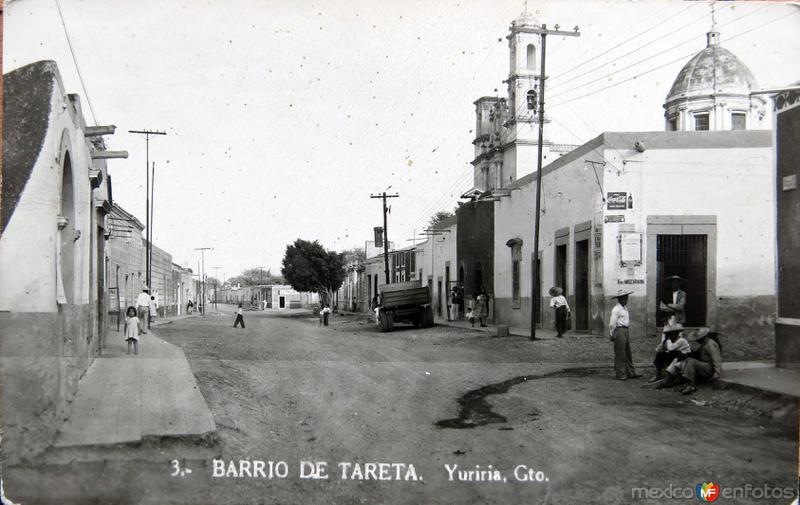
(75, 61)
(779, 18)
(660, 23)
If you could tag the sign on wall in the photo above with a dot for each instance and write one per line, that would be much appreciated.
(630, 249)
(378, 236)
(619, 200)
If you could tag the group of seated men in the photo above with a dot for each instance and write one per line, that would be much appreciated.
(683, 360)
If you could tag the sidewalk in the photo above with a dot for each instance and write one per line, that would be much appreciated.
(125, 398)
(763, 376)
(491, 329)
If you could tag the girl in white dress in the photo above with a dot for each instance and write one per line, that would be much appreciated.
(132, 330)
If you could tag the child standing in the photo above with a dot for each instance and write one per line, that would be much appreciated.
(239, 317)
(470, 316)
(132, 330)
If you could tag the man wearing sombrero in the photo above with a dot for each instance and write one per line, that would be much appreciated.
(676, 309)
(673, 346)
(618, 325)
(707, 365)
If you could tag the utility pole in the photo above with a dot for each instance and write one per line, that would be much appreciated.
(148, 225)
(384, 196)
(535, 291)
(216, 284)
(150, 228)
(203, 275)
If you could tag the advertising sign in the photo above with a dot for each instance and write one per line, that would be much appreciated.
(617, 200)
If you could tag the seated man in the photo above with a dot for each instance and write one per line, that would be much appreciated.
(673, 346)
(705, 362)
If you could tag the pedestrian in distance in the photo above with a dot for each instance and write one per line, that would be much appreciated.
(470, 316)
(143, 309)
(559, 303)
(482, 307)
(325, 314)
(619, 327)
(132, 329)
(153, 308)
(239, 317)
(189, 307)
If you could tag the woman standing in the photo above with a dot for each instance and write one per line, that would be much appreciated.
(559, 302)
(482, 307)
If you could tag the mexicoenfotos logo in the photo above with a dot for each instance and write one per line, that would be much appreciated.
(707, 491)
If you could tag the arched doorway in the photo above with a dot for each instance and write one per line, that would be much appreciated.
(67, 233)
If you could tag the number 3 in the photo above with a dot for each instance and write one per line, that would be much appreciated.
(177, 466)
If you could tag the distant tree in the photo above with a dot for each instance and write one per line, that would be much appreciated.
(256, 276)
(354, 254)
(439, 217)
(307, 266)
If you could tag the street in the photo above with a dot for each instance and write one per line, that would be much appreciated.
(441, 400)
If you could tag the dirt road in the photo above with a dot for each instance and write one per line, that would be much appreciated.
(440, 400)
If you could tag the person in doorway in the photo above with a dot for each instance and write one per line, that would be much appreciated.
(189, 307)
(619, 324)
(461, 308)
(153, 309)
(482, 307)
(143, 309)
(675, 308)
(454, 303)
(559, 303)
(673, 346)
(239, 317)
(132, 329)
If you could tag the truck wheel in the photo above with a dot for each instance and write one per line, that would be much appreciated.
(389, 321)
(383, 317)
(429, 316)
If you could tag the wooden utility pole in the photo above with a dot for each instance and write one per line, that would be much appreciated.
(535, 291)
(203, 276)
(384, 196)
(216, 284)
(148, 225)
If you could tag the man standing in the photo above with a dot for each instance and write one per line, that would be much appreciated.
(143, 309)
(618, 325)
(676, 309)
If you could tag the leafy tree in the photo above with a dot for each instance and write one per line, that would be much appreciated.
(439, 217)
(307, 266)
(354, 254)
(256, 276)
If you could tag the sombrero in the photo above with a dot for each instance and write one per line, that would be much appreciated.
(697, 334)
(672, 328)
(555, 291)
(675, 278)
(622, 292)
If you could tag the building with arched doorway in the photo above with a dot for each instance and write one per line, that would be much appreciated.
(55, 198)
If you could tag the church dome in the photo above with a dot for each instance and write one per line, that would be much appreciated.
(712, 71)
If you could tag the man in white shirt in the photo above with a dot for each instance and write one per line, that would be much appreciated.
(143, 308)
(618, 325)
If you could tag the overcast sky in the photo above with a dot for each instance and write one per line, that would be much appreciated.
(283, 116)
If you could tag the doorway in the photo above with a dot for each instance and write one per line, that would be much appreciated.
(561, 268)
(282, 302)
(537, 283)
(581, 309)
(439, 297)
(686, 256)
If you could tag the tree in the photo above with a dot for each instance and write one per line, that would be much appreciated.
(307, 266)
(256, 276)
(440, 217)
(354, 254)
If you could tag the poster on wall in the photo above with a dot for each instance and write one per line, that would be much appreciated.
(617, 200)
(630, 249)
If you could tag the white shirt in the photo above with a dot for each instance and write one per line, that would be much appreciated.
(559, 301)
(619, 317)
(143, 300)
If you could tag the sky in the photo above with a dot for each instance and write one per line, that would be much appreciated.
(283, 117)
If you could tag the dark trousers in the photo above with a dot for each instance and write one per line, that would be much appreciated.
(664, 358)
(561, 319)
(239, 319)
(325, 319)
(623, 360)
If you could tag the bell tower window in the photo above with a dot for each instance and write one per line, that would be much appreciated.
(531, 60)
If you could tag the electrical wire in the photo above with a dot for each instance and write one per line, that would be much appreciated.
(75, 61)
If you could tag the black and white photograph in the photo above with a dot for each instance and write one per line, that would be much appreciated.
(421, 252)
